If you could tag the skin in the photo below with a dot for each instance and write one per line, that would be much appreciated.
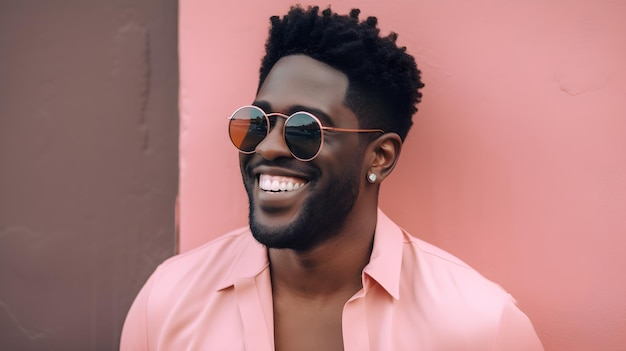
(312, 280)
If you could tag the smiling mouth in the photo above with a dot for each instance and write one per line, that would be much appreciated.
(280, 184)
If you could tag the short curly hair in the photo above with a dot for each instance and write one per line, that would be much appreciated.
(383, 78)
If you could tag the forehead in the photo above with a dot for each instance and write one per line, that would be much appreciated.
(303, 82)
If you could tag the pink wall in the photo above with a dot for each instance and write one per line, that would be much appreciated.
(516, 162)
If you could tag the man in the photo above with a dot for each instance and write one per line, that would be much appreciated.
(320, 267)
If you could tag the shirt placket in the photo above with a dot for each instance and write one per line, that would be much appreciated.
(256, 330)
(354, 324)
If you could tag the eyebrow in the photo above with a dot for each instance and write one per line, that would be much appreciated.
(321, 115)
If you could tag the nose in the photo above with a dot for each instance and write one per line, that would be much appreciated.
(274, 146)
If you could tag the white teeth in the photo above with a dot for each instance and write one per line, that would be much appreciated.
(266, 184)
(279, 184)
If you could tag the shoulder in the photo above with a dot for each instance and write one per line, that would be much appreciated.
(457, 300)
(465, 299)
(434, 254)
(228, 243)
(446, 271)
(211, 260)
(187, 281)
(179, 289)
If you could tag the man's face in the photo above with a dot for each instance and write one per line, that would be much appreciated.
(318, 194)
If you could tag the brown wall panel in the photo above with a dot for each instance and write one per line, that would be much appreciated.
(88, 165)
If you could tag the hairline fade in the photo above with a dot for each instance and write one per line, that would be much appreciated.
(384, 81)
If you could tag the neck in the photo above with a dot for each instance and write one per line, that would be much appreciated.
(330, 268)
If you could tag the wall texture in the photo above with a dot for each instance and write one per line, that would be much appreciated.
(88, 165)
(516, 162)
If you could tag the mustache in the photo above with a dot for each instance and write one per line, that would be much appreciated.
(283, 162)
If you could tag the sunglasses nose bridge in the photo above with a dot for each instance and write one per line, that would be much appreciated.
(273, 145)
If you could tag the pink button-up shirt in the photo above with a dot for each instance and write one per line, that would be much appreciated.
(414, 297)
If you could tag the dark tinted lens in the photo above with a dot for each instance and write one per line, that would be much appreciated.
(303, 136)
(247, 128)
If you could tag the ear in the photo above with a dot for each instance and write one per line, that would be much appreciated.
(383, 154)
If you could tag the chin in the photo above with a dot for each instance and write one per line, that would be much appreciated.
(276, 236)
(304, 219)
(317, 220)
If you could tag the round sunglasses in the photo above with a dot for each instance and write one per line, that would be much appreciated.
(302, 131)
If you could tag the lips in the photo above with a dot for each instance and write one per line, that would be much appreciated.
(277, 184)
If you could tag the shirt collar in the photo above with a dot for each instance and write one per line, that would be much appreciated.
(249, 262)
(383, 267)
(386, 259)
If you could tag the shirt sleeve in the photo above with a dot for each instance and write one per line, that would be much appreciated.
(135, 330)
(516, 332)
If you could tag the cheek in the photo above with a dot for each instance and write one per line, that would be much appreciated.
(244, 159)
(342, 145)
(344, 155)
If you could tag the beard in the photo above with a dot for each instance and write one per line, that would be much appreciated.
(321, 217)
